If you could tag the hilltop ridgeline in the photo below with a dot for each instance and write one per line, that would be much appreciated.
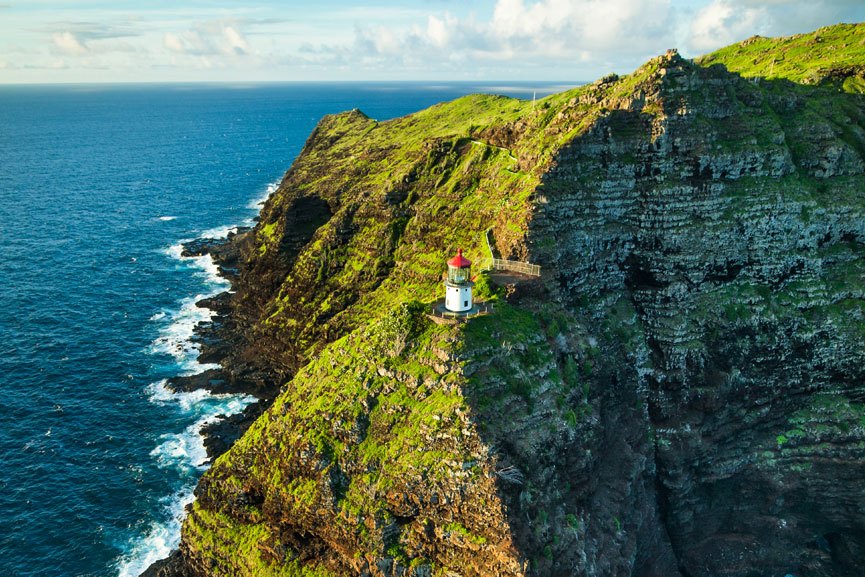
(679, 394)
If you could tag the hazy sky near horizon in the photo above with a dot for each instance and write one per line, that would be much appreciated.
(265, 40)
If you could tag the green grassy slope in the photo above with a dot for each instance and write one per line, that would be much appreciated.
(832, 55)
(402, 195)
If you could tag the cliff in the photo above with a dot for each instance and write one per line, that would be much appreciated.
(679, 394)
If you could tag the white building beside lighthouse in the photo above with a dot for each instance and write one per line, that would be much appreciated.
(458, 285)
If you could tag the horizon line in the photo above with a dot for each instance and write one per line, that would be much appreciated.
(273, 82)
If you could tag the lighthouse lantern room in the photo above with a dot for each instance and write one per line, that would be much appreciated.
(458, 286)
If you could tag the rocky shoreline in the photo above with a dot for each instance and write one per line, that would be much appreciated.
(217, 338)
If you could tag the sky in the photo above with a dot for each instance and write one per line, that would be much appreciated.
(50, 41)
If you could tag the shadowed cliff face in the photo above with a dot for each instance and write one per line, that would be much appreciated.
(726, 218)
(680, 394)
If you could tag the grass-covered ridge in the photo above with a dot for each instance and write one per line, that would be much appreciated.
(833, 55)
(390, 202)
(373, 453)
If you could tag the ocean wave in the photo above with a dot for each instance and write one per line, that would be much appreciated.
(160, 539)
(210, 271)
(175, 251)
(218, 232)
(256, 203)
(183, 452)
(198, 403)
(166, 218)
(175, 339)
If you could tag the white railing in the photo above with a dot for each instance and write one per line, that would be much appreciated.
(516, 266)
(480, 308)
(493, 263)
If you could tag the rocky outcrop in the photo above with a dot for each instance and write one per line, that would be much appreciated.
(727, 225)
(679, 394)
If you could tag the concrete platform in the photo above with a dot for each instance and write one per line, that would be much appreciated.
(441, 315)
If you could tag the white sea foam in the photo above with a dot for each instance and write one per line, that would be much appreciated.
(167, 218)
(184, 452)
(161, 537)
(218, 232)
(198, 403)
(175, 339)
(210, 271)
(256, 203)
(175, 250)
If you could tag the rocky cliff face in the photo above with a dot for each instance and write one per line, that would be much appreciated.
(680, 394)
(717, 242)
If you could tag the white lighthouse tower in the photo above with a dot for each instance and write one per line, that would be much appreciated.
(458, 285)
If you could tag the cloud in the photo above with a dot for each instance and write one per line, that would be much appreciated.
(86, 31)
(522, 38)
(525, 34)
(78, 39)
(68, 43)
(234, 41)
(515, 39)
(564, 27)
(722, 22)
(214, 38)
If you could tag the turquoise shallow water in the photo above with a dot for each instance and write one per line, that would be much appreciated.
(98, 186)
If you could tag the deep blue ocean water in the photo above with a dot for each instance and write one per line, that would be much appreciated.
(98, 186)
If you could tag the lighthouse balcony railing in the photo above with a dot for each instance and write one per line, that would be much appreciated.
(438, 310)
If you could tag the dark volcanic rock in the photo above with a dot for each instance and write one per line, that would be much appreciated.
(201, 246)
(220, 435)
(224, 251)
(213, 380)
(221, 303)
(172, 566)
(705, 227)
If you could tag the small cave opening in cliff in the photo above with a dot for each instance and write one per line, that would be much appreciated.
(638, 276)
(303, 217)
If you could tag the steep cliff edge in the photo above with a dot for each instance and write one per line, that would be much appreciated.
(680, 394)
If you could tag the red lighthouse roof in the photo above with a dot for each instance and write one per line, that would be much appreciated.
(459, 261)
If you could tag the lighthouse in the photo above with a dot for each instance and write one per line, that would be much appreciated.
(458, 285)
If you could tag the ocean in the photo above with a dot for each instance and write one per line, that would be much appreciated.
(99, 186)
